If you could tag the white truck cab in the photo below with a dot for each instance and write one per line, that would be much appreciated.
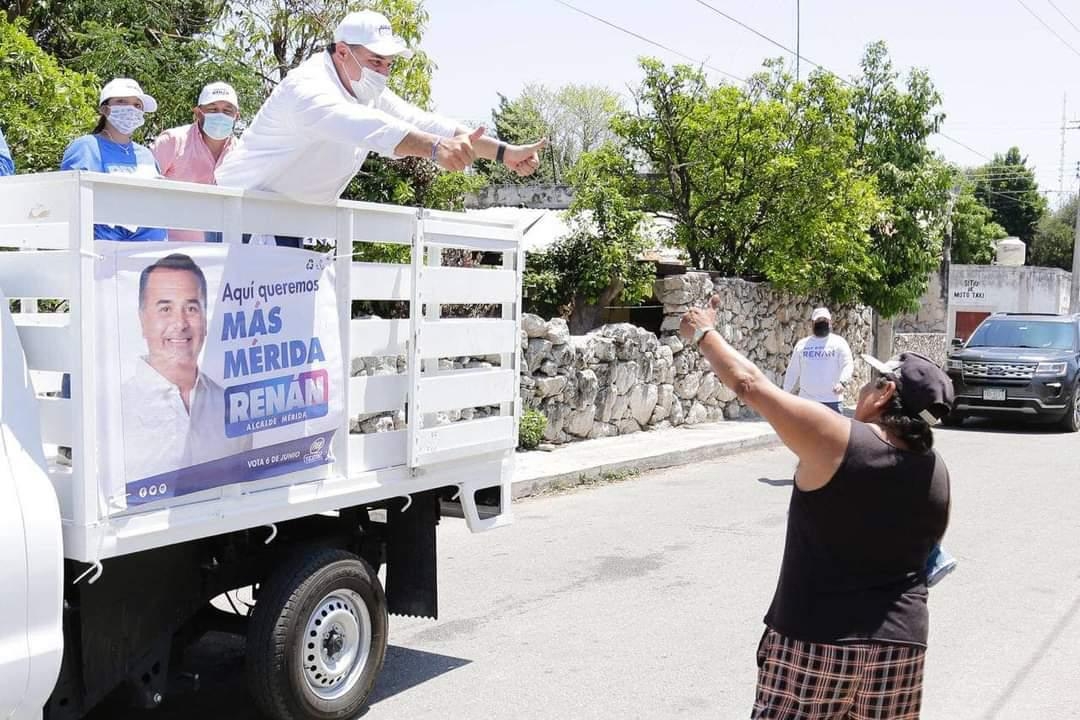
(337, 441)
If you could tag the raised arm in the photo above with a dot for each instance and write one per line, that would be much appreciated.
(816, 434)
(460, 145)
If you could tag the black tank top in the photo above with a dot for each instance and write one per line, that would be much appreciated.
(856, 549)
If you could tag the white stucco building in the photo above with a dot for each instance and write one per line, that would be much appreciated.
(976, 291)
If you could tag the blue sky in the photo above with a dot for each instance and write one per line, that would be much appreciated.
(1002, 74)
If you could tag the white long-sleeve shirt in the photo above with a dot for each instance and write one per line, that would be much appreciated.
(311, 136)
(161, 434)
(817, 365)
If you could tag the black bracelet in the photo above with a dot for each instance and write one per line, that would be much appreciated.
(500, 152)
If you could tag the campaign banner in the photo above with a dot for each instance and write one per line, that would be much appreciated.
(218, 364)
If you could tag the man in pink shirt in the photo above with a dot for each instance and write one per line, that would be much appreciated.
(193, 152)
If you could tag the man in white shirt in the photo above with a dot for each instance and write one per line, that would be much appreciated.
(315, 130)
(173, 414)
(821, 364)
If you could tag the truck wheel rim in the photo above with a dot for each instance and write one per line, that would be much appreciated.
(1076, 407)
(336, 644)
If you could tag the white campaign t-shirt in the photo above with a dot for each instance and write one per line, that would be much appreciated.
(312, 136)
(817, 365)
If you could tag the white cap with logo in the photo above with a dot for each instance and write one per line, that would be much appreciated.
(216, 91)
(371, 30)
(821, 313)
(126, 87)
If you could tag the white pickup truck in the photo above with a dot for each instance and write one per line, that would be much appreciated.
(117, 530)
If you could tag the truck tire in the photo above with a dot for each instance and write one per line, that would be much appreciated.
(317, 637)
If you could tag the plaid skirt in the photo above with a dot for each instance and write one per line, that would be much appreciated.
(815, 681)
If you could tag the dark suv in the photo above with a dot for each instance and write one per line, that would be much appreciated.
(1019, 365)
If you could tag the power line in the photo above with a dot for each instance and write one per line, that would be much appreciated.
(1050, 29)
(964, 145)
(651, 42)
(817, 65)
(1059, 12)
(762, 35)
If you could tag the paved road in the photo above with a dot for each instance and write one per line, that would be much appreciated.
(643, 599)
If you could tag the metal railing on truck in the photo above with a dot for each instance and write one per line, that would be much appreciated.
(49, 219)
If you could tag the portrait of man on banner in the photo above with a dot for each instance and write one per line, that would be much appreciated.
(173, 413)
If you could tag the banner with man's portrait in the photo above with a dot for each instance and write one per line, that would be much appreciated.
(217, 365)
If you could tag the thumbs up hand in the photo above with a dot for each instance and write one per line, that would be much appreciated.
(524, 159)
(458, 153)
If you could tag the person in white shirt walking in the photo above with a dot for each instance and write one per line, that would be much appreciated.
(315, 130)
(821, 364)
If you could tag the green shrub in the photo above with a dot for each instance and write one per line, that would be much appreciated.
(531, 429)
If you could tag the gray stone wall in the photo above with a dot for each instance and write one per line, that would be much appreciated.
(543, 197)
(622, 379)
(933, 313)
(933, 345)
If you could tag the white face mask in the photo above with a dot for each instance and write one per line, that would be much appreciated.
(218, 126)
(126, 118)
(370, 85)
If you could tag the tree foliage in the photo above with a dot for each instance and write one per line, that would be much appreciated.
(1054, 238)
(59, 26)
(598, 262)
(892, 124)
(973, 229)
(1007, 186)
(575, 119)
(44, 106)
(756, 178)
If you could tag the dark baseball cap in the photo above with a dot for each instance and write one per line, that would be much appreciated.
(925, 390)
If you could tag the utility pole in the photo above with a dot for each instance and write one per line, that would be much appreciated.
(798, 36)
(1074, 290)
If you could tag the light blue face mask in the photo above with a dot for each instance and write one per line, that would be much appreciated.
(218, 126)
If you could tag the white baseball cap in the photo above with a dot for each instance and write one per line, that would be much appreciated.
(216, 91)
(819, 313)
(373, 31)
(126, 87)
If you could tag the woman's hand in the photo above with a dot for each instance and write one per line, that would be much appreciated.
(699, 318)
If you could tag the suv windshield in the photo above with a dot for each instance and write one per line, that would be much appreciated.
(1024, 334)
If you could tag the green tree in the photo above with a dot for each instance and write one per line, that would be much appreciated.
(45, 105)
(598, 262)
(892, 124)
(1054, 238)
(973, 229)
(58, 26)
(162, 44)
(1007, 186)
(757, 178)
(574, 118)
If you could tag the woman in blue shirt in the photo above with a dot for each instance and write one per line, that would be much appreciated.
(110, 149)
(7, 165)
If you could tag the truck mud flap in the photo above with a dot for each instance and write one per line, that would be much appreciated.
(411, 582)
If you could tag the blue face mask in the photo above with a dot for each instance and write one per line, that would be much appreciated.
(218, 126)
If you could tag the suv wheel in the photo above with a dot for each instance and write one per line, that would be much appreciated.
(953, 419)
(1071, 421)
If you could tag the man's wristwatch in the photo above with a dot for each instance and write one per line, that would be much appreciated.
(701, 332)
(500, 153)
